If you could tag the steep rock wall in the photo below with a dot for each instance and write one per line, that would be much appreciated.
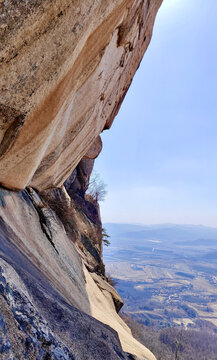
(65, 67)
(47, 294)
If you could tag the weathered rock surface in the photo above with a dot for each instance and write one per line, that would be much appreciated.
(82, 223)
(103, 308)
(65, 69)
(47, 295)
(37, 323)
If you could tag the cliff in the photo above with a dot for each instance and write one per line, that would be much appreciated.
(65, 67)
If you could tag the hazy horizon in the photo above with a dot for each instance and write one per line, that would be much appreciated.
(158, 224)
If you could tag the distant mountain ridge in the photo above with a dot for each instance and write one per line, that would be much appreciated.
(169, 232)
(166, 273)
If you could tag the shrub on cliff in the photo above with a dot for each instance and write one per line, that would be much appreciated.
(97, 188)
(105, 237)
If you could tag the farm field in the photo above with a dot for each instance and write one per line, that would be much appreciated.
(166, 274)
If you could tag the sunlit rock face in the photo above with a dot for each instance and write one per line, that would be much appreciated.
(65, 69)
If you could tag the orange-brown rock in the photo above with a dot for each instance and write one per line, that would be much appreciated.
(65, 69)
(94, 149)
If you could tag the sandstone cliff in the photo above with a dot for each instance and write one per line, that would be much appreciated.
(65, 67)
(46, 292)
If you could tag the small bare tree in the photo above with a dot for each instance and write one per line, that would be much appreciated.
(96, 188)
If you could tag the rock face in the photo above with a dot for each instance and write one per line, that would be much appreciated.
(65, 69)
(47, 294)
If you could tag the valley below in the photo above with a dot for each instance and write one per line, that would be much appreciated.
(166, 274)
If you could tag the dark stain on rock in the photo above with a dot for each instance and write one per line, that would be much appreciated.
(34, 67)
(60, 14)
(126, 26)
(128, 48)
(122, 60)
(90, 248)
(2, 323)
(32, 92)
(131, 357)
(102, 97)
(13, 57)
(76, 27)
(2, 202)
(121, 32)
(8, 114)
(44, 222)
(16, 120)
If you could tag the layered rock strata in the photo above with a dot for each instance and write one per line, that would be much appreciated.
(65, 67)
(47, 293)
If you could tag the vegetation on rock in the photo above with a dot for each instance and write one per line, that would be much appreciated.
(97, 188)
(177, 343)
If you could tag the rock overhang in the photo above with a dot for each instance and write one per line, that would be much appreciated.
(65, 69)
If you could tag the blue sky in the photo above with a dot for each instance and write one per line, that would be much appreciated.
(159, 158)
